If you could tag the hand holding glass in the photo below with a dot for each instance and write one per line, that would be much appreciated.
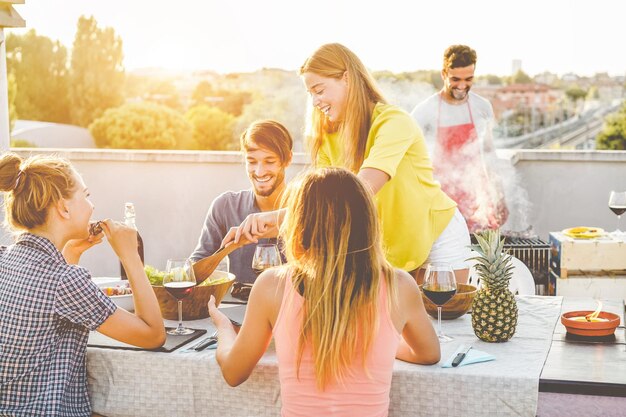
(265, 256)
(439, 286)
(179, 281)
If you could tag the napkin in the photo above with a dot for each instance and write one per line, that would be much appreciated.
(473, 356)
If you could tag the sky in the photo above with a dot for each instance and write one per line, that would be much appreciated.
(559, 36)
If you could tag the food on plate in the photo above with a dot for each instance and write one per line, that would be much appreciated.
(95, 228)
(121, 289)
(583, 232)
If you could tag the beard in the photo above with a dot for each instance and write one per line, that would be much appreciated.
(457, 94)
(272, 185)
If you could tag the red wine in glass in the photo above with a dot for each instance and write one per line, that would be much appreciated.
(618, 210)
(179, 280)
(439, 295)
(617, 204)
(180, 290)
(265, 256)
(439, 286)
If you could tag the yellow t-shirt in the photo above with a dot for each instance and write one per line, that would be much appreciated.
(412, 209)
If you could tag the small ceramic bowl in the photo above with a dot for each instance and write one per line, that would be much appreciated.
(585, 328)
(456, 307)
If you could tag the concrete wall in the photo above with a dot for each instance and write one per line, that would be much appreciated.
(570, 188)
(172, 191)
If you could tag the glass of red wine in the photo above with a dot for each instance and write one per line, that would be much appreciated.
(179, 281)
(266, 256)
(439, 286)
(617, 204)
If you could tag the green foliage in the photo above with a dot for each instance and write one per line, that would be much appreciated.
(97, 74)
(575, 93)
(428, 76)
(22, 143)
(141, 126)
(201, 93)
(520, 77)
(164, 92)
(613, 134)
(491, 79)
(230, 101)
(212, 128)
(12, 86)
(39, 68)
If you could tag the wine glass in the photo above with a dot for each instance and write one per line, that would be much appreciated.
(266, 256)
(439, 286)
(179, 281)
(617, 204)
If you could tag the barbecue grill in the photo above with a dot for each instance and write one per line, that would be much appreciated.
(533, 252)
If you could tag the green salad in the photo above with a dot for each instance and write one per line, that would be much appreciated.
(156, 277)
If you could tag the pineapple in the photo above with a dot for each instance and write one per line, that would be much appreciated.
(494, 310)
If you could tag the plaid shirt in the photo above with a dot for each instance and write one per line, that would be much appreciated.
(47, 308)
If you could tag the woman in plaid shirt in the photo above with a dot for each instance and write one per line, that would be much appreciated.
(48, 304)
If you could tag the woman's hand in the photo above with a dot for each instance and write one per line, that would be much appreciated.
(74, 248)
(219, 319)
(256, 226)
(122, 238)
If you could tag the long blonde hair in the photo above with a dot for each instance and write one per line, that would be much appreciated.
(333, 245)
(333, 60)
(32, 185)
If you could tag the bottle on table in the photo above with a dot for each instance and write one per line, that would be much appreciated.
(129, 220)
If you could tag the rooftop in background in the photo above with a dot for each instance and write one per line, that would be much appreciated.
(52, 135)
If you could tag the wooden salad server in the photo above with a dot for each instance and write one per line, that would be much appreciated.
(203, 268)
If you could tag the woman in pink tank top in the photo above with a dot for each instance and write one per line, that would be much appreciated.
(339, 313)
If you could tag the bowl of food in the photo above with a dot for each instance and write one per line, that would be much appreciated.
(119, 292)
(458, 305)
(195, 304)
(590, 323)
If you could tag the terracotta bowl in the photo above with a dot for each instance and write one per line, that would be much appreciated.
(585, 328)
(195, 305)
(456, 307)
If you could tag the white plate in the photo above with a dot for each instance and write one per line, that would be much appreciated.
(122, 301)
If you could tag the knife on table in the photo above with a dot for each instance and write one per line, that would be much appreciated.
(460, 356)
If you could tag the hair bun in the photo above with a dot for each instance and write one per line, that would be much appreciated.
(10, 172)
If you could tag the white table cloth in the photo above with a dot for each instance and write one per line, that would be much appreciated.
(143, 383)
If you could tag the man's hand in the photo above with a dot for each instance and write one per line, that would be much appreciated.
(256, 226)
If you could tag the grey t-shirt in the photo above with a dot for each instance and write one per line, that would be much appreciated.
(228, 210)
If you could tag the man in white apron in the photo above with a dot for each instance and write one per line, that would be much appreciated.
(457, 126)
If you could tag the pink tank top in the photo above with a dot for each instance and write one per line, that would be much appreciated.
(360, 395)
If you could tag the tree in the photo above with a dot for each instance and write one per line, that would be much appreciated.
(12, 93)
(97, 74)
(201, 93)
(575, 93)
(491, 79)
(520, 77)
(39, 68)
(141, 126)
(212, 128)
(613, 134)
(22, 143)
(231, 101)
(163, 92)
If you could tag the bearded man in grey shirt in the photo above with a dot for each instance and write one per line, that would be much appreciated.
(267, 148)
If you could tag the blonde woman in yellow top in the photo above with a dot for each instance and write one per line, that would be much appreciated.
(351, 125)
